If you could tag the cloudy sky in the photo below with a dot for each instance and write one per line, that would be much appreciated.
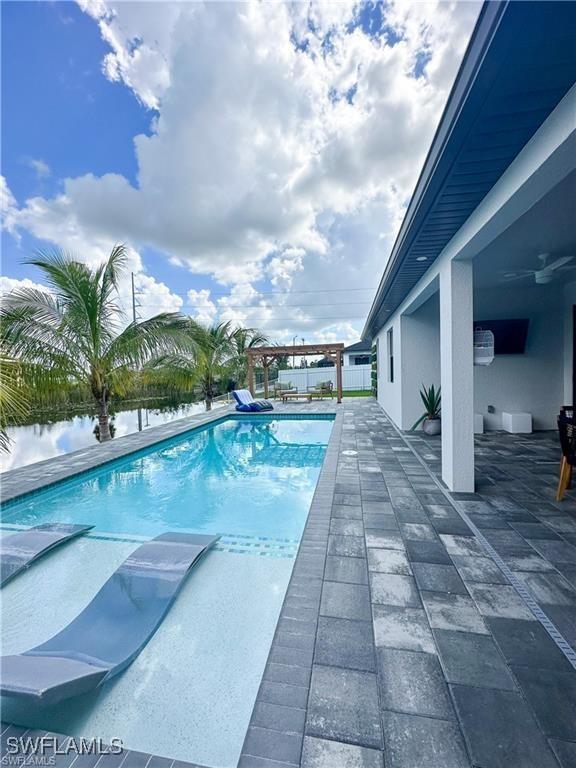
(255, 157)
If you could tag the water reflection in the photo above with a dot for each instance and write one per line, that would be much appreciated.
(248, 479)
(56, 436)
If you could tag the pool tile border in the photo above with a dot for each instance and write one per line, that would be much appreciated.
(276, 730)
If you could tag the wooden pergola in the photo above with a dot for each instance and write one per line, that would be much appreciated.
(267, 355)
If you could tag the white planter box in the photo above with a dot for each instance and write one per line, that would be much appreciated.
(517, 422)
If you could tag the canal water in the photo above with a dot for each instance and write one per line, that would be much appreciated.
(55, 433)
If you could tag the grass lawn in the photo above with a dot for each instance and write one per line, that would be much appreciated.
(357, 393)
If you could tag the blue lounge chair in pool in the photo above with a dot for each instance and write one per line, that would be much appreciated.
(113, 628)
(245, 402)
(20, 550)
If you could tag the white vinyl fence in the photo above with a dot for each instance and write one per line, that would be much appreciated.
(353, 377)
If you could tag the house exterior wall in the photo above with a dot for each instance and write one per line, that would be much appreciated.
(350, 357)
(420, 358)
(390, 392)
(534, 381)
(538, 381)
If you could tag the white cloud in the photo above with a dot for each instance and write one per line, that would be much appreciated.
(153, 296)
(281, 269)
(201, 307)
(8, 284)
(8, 206)
(266, 158)
(39, 166)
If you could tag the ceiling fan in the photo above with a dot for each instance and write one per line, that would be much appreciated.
(545, 274)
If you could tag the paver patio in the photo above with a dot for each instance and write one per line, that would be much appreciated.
(514, 507)
(400, 642)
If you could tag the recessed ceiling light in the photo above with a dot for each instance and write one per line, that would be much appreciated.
(422, 258)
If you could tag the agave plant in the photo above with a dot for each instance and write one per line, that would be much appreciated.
(73, 334)
(431, 399)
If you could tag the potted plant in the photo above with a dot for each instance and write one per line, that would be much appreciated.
(430, 419)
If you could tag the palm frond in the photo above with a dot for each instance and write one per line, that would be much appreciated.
(40, 336)
(13, 403)
(141, 341)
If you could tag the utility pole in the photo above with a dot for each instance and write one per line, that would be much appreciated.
(134, 318)
(133, 300)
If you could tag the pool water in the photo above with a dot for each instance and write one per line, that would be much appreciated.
(190, 693)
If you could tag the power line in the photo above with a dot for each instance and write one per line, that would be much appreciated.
(327, 317)
(267, 306)
(289, 292)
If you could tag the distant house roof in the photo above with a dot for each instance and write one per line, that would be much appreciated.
(519, 64)
(360, 346)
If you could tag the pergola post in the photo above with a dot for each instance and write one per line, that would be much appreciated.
(338, 376)
(265, 364)
(251, 374)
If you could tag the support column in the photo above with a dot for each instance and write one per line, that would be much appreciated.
(265, 364)
(339, 376)
(251, 374)
(457, 375)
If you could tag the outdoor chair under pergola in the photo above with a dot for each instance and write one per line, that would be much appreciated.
(267, 355)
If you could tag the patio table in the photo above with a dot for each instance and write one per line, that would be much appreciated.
(295, 396)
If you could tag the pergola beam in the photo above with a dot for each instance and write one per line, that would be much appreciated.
(289, 349)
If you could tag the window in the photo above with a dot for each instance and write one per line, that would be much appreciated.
(374, 371)
(362, 360)
(390, 344)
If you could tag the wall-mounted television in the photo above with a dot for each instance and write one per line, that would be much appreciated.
(509, 335)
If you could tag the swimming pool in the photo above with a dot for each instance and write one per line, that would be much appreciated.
(190, 693)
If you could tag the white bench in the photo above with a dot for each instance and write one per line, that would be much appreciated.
(517, 422)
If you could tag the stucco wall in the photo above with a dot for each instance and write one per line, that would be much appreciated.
(420, 357)
(390, 393)
(533, 381)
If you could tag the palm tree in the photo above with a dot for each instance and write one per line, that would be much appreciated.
(213, 358)
(242, 339)
(72, 335)
(215, 353)
(203, 367)
(13, 401)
